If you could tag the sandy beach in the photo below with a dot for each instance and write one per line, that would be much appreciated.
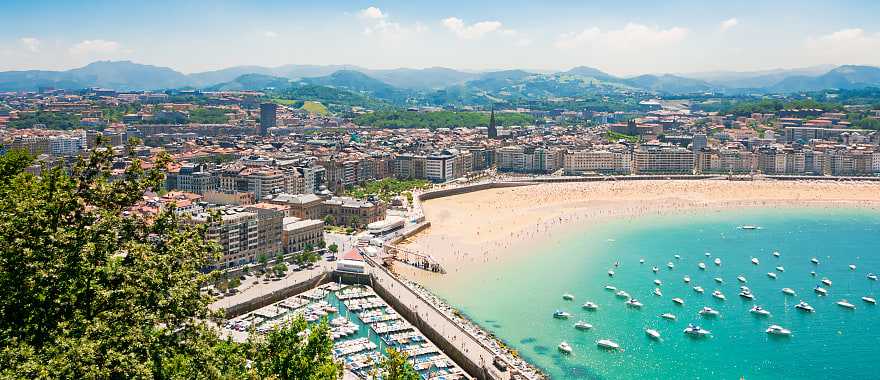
(478, 229)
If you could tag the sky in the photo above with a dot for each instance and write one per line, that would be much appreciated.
(619, 37)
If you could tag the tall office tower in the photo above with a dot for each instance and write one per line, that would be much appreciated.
(268, 117)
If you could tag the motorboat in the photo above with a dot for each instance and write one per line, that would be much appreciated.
(780, 268)
(670, 265)
(813, 273)
(678, 301)
(872, 277)
(687, 279)
(719, 280)
(747, 294)
(707, 254)
(869, 300)
(610, 273)
(657, 292)
(717, 294)
(755, 261)
(590, 306)
(565, 347)
(717, 261)
(771, 275)
(653, 334)
(805, 307)
(634, 303)
(852, 267)
(641, 261)
(776, 253)
(778, 330)
(814, 261)
(677, 257)
(820, 291)
(788, 291)
(622, 294)
(826, 281)
(702, 265)
(610, 288)
(698, 289)
(742, 279)
(607, 344)
(748, 227)
(559, 314)
(709, 312)
(696, 331)
(845, 304)
(581, 325)
(658, 282)
(668, 316)
(759, 311)
(567, 297)
(655, 269)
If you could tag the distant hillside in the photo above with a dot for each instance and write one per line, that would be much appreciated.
(422, 79)
(843, 77)
(362, 83)
(253, 82)
(668, 83)
(122, 75)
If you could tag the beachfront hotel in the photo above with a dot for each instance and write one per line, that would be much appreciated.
(657, 158)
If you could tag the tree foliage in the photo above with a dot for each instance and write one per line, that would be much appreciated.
(387, 188)
(51, 120)
(395, 366)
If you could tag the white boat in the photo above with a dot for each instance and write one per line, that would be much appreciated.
(668, 316)
(776, 253)
(696, 331)
(634, 303)
(708, 312)
(872, 277)
(708, 254)
(657, 292)
(805, 307)
(826, 281)
(655, 269)
(590, 306)
(677, 257)
(567, 297)
(788, 291)
(702, 265)
(610, 287)
(622, 294)
(610, 273)
(641, 261)
(820, 291)
(814, 260)
(771, 275)
(869, 300)
(687, 279)
(748, 227)
(757, 310)
(698, 289)
(755, 261)
(852, 267)
(717, 294)
(747, 294)
(678, 301)
(653, 334)
(559, 314)
(581, 325)
(845, 304)
(780, 268)
(670, 265)
(565, 347)
(719, 280)
(778, 330)
(742, 279)
(717, 261)
(658, 282)
(607, 344)
(813, 273)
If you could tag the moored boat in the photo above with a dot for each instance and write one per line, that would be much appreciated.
(581, 325)
(607, 344)
(668, 316)
(565, 347)
(778, 330)
(653, 334)
(845, 304)
(788, 291)
(869, 300)
(678, 301)
(590, 306)
(805, 307)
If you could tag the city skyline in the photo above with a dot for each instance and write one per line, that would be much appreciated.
(622, 39)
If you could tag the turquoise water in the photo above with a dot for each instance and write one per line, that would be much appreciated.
(518, 299)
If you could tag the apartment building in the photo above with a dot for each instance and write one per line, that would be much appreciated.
(598, 161)
(438, 167)
(237, 233)
(657, 158)
(298, 233)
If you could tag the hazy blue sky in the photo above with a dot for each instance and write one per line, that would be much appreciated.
(621, 37)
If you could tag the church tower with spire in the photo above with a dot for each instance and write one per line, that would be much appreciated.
(493, 130)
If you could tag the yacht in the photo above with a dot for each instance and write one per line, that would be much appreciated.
(771, 275)
(670, 265)
(687, 279)
(678, 301)
(755, 261)
(634, 303)
(780, 268)
(590, 306)
(622, 294)
(610, 288)
(559, 314)
(845, 304)
(641, 261)
(778, 330)
(869, 300)
(826, 281)
(653, 334)
(696, 331)
(698, 289)
(608, 344)
(610, 273)
(702, 265)
(747, 294)
(872, 277)
(742, 279)
(788, 291)
(668, 316)
(719, 280)
(567, 297)
(581, 325)
(852, 267)
(657, 292)
(805, 307)
(776, 253)
(658, 282)
(814, 261)
(708, 312)
(717, 261)
(820, 291)
(717, 294)
(678, 257)
(655, 269)
(757, 310)
(565, 347)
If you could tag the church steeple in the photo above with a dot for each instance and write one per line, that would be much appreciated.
(493, 130)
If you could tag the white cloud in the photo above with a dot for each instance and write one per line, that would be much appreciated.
(95, 47)
(378, 25)
(853, 46)
(631, 37)
(30, 43)
(475, 30)
(371, 13)
(270, 34)
(729, 23)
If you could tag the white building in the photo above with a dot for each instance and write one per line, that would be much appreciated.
(875, 162)
(438, 167)
(599, 161)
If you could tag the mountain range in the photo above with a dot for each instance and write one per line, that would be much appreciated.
(440, 84)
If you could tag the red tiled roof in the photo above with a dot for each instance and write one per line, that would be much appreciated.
(353, 254)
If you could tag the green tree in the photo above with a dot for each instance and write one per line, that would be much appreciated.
(333, 248)
(329, 220)
(395, 366)
(280, 269)
(287, 356)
